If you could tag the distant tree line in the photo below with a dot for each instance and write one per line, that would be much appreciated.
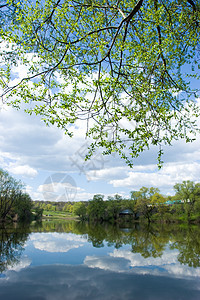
(147, 204)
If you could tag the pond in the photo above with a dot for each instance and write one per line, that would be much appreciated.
(73, 260)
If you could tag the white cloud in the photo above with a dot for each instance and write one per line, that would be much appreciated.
(63, 194)
(63, 189)
(84, 196)
(22, 170)
(107, 173)
(28, 189)
(29, 142)
(166, 178)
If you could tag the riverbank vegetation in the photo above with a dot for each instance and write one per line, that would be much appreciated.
(146, 205)
(15, 203)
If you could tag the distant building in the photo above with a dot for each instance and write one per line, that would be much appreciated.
(126, 212)
(171, 202)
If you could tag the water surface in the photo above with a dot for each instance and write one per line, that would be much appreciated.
(72, 260)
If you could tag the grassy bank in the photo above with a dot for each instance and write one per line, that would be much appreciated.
(48, 214)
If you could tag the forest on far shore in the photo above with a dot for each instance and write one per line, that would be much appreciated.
(147, 205)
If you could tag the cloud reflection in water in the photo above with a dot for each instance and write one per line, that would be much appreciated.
(80, 282)
(57, 242)
(123, 260)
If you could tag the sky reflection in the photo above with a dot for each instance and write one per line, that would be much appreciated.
(57, 242)
(80, 282)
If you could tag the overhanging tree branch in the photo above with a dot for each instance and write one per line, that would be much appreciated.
(107, 62)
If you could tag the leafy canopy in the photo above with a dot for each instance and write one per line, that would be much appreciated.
(122, 67)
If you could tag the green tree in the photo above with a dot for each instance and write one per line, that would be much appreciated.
(189, 192)
(68, 207)
(48, 206)
(147, 201)
(113, 207)
(38, 213)
(36, 204)
(23, 207)
(158, 200)
(80, 210)
(118, 65)
(96, 208)
(53, 207)
(43, 206)
(10, 193)
(154, 193)
(135, 195)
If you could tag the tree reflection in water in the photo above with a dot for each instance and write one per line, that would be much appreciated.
(149, 241)
(12, 241)
(187, 241)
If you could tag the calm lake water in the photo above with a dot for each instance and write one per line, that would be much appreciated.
(71, 260)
